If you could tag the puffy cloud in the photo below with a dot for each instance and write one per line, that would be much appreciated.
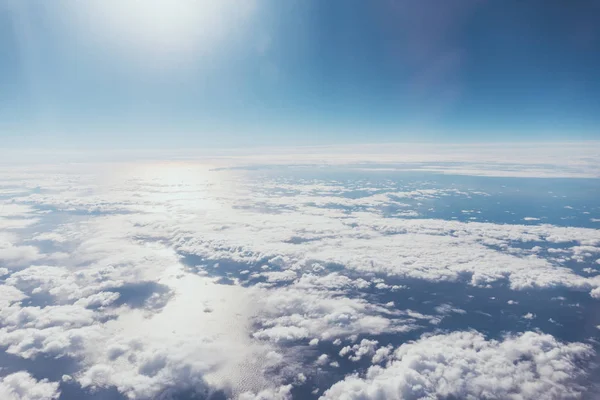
(22, 386)
(14, 255)
(280, 393)
(101, 299)
(366, 347)
(296, 313)
(381, 354)
(54, 341)
(280, 276)
(46, 317)
(430, 249)
(322, 359)
(180, 347)
(55, 281)
(10, 294)
(466, 365)
(120, 301)
(56, 329)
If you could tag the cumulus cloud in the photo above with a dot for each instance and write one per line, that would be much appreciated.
(466, 365)
(13, 254)
(280, 393)
(262, 235)
(529, 316)
(294, 313)
(429, 249)
(181, 347)
(22, 386)
(110, 283)
(10, 294)
(366, 347)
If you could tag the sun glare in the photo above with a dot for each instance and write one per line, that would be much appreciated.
(161, 30)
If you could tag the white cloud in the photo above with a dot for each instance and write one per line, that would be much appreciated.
(56, 281)
(280, 276)
(12, 254)
(322, 359)
(181, 347)
(280, 393)
(22, 386)
(130, 229)
(366, 347)
(50, 236)
(10, 294)
(448, 309)
(297, 313)
(381, 354)
(15, 210)
(46, 317)
(466, 365)
(101, 299)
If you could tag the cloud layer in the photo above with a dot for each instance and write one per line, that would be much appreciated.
(162, 280)
(465, 365)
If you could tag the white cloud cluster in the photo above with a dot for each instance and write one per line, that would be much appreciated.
(12, 254)
(143, 354)
(465, 365)
(366, 348)
(426, 249)
(280, 393)
(9, 295)
(182, 347)
(91, 267)
(22, 386)
(296, 313)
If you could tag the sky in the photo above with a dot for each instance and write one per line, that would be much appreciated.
(299, 199)
(205, 74)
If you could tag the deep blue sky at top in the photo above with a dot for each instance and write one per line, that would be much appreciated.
(205, 73)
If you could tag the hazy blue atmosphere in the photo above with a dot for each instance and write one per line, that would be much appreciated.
(206, 73)
(299, 200)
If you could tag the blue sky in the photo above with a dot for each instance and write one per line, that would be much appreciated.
(204, 73)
